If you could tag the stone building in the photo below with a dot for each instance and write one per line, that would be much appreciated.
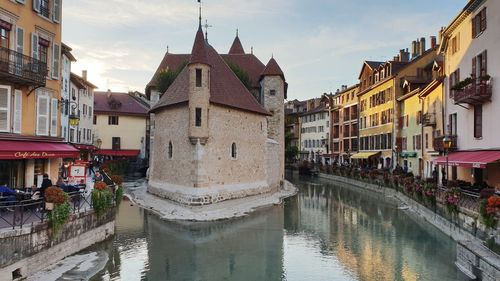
(344, 120)
(214, 140)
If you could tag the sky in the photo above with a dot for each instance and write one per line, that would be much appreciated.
(320, 45)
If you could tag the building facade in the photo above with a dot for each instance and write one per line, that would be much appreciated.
(66, 59)
(120, 123)
(344, 120)
(470, 47)
(315, 133)
(201, 152)
(30, 93)
(82, 105)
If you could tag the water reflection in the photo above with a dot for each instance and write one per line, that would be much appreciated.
(326, 232)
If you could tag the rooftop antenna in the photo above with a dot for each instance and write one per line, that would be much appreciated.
(167, 49)
(236, 32)
(206, 26)
(251, 50)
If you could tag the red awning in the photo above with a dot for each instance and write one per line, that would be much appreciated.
(10, 149)
(84, 146)
(122, 152)
(470, 159)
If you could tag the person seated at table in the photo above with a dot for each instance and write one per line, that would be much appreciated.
(98, 176)
(46, 183)
(8, 194)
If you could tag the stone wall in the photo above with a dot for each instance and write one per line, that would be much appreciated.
(30, 249)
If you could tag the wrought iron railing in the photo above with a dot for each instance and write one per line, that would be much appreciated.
(429, 119)
(22, 69)
(477, 92)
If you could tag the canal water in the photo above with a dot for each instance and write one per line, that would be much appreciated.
(326, 232)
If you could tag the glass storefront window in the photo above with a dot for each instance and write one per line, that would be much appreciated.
(12, 173)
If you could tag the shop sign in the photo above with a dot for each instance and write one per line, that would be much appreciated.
(27, 155)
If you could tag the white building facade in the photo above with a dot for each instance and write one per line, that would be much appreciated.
(470, 48)
(315, 134)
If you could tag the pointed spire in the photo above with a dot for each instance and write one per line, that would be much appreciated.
(273, 69)
(199, 52)
(236, 48)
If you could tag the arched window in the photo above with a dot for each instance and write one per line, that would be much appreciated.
(170, 150)
(233, 150)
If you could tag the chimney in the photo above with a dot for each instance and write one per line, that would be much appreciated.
(108, 93)
(404, 56)
(413, 49)
(433, 42)
(84, 75)
(422, 46)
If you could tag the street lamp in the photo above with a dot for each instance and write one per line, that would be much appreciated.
(74, 119)
(447, 145)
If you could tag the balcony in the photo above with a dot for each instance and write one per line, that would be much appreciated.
(477, 92)
(20, 69)
(437, 143)
(429, 119)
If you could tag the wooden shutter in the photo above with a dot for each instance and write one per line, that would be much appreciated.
(484, 68)
(483, 19)
(34, 45)
(478, 121)
(19, 40)
(42, 117)
(20, 50)
(474, 27)
(474, 73)
(4, 109)
(55, 60)
(53, 117)
(36, 5)
(18, 111)
(57, 11)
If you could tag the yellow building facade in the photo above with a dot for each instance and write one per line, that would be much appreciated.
(30, 71)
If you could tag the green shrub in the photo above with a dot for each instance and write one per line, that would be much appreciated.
(59, 216)
(102, 200)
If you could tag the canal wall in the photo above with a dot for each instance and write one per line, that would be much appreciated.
(25, 251)
(473, 258)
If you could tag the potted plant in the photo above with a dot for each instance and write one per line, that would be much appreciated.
(490, 211)
(56, 202)
(102, 198)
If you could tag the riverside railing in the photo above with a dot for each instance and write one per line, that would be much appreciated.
(30, 212)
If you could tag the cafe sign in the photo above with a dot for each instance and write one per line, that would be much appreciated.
(28, 155)
(37, 155)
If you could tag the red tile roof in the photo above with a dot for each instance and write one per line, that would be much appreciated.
(248, 62)
(236, 47)
(118, 104)
(169, 62)
(225, 87)
(272, 68)
(199, 52)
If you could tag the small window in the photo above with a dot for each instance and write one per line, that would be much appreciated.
(233, 150)
(170, 150)
(95, 120)
(272, 92)
(115, 142)
(478, 121)
(198, 117)
(198, 77)
(112, 120)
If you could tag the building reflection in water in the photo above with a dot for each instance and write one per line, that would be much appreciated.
(362, 236)
(148, 248)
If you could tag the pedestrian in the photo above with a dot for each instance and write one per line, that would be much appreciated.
(91, 167)
(435, 174)
(443, 176)
(98, 176)
(46, 183)
(405, 168)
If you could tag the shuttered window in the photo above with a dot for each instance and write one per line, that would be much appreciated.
(478, 121)
(53, 117)
(4, 109)
(34, 45)
(55, 60)
(18, 111)
(42, 115)
(57, 11)
(479, 23)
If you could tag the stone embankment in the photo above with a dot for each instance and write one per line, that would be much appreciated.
(26, 251)
(474, 259)
(170, 210)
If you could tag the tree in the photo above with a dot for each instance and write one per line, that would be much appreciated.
(291, 153)
(166, 78)
(241, 74)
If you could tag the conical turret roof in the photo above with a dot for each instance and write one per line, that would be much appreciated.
(236, 48)
(273, 69)
(199, 52)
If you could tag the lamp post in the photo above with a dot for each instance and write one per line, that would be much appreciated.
(446, 145)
